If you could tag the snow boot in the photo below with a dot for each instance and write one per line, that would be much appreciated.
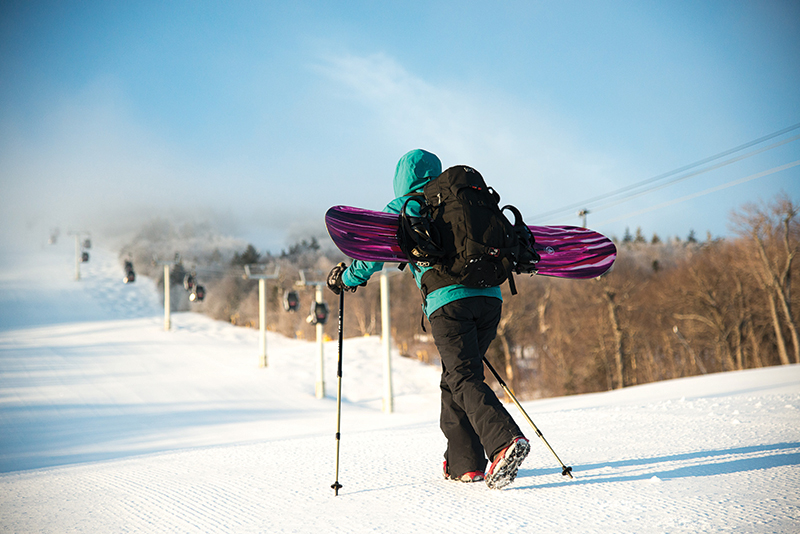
(506, 463)
(471, 476)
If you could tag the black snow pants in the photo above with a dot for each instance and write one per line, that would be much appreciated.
(472, 419)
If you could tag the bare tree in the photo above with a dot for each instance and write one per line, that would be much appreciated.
(773, 228)
(503, 336)
(610, 295)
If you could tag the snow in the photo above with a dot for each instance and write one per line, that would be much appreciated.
(110, 424)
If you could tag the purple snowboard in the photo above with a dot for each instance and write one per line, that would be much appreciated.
(566, 251)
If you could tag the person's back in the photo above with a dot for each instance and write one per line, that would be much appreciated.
(415, 169)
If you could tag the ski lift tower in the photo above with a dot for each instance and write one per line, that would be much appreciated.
(167, 265)
(79, 252)
(582, 214)
(318, 304)
(262, 278)
(386, 340)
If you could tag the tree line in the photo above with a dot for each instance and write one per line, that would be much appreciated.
(667, 309)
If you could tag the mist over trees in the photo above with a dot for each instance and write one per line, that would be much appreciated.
(669, 308)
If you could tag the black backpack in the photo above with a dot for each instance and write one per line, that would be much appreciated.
(462, 233)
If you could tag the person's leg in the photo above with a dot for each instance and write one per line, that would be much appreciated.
(464, 452)
(462, 331)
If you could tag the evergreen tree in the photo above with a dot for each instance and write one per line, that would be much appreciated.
(299, 248)
(627, 238)
(248, 257)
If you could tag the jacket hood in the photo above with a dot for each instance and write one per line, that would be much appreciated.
(415, 169)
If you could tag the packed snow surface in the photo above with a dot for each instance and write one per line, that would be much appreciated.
(109, 423)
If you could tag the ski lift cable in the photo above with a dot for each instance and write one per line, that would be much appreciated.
(702, 193)
(690, 175)
(672, 173)
(211, 270)
(588, 203)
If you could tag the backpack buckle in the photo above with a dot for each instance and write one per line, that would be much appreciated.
(494, 252)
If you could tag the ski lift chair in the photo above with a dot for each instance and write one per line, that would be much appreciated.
(319, 313)
(291, 300)
(189, 281)
(198, 294)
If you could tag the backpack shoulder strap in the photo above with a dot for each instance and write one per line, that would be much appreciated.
(417, 238)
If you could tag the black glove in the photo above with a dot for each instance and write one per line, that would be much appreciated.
(334, 281)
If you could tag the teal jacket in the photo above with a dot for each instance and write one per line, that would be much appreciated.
(414, 170)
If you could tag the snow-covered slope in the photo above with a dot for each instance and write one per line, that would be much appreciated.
(110, 424)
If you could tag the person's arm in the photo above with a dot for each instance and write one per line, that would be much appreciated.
(360, 271)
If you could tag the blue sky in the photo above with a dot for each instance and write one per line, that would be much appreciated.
(257, 116)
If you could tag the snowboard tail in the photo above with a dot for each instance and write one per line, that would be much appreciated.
(565, 251)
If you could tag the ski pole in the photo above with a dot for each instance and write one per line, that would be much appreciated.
(336, 486)
(566, 471)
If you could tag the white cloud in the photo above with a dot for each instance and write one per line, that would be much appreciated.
(521, 150)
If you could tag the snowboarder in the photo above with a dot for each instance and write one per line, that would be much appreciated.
(463, 323)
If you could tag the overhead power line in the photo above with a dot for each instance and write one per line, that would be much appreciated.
(588, 202)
